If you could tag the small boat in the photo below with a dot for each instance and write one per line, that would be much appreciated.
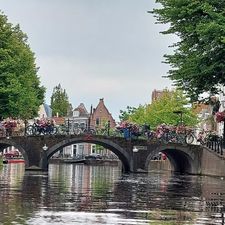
(73, 160)
(96, 159)
(12, 157)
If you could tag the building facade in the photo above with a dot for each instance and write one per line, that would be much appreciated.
(100, 116)
(78, 120)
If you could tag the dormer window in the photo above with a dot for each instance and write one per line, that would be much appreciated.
(76, 113)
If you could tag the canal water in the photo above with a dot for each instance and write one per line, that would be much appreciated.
(95, 195)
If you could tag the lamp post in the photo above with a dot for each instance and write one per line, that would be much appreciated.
(135, 149)
(108, 127)
(45, 147)
(180, 113)
(44, 158)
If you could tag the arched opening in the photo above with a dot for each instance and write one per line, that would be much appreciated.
(168, 158)
(180, 161)
(11, 152)
(122, 154)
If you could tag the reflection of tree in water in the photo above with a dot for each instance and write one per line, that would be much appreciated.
(82, 188)
(20, 196)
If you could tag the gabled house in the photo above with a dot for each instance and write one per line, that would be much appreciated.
(79, 118)
(100, 115)
(100, 118)
(44, 111)
(97, 118)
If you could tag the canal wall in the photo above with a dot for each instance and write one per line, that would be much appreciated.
(212, 164)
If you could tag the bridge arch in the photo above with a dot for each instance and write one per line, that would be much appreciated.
(4, 143)
(122, 154)
(179, 156)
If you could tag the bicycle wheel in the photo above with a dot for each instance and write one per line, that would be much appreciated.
(53, 130)
(92, 131)
(62, 129)
(29, 130)
(77, 131)
(189, 138)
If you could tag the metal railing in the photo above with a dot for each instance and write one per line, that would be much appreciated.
(216, 144)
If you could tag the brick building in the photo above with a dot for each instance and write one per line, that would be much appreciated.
(100, 115)
(156, 94)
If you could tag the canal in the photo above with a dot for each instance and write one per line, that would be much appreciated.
(81, 194)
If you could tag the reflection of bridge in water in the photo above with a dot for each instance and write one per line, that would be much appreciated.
(135, 155)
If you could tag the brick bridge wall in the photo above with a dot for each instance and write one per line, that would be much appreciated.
(190, 159)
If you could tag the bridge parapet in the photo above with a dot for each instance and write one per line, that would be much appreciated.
(135, 155)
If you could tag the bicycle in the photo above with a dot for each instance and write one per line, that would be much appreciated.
(41, 129)
(191, 137)
(82, 130)
(102, 131)
(63, 129)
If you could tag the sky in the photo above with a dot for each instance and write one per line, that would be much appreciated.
(109, 49)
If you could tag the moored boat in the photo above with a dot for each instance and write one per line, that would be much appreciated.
(11, 157)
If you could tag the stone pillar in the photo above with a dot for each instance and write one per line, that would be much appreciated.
(139, 158)
(44, 161)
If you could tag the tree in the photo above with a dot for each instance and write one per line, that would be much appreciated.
(198, 61)
(20, 91)
(124, 114)
(59, 101)
(163, 110)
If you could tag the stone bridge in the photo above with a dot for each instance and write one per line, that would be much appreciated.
(135, 155)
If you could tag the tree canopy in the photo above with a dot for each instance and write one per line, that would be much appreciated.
(166, 109)
(198, 63)
(60, 102)
(20, 91)
(125, 114)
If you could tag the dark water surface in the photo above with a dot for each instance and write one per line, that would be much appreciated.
(80, 194)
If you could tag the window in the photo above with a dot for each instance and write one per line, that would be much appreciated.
(74, 150)
(82, 125)
(93, 148)
(76, 113)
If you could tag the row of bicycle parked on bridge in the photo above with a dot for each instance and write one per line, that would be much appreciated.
(169, 133)
(163, 133)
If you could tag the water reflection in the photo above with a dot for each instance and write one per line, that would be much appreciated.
(80, 194)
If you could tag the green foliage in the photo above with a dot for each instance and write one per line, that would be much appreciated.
(163, 111)
(124, 114)
(59, 101)
(20, 90)
(198, 61)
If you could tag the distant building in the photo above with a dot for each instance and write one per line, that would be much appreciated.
(220, 127)
(45, 111)
(79, 118)
(204, 113)
(99, 118)
(100, 115)
(156, 94)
